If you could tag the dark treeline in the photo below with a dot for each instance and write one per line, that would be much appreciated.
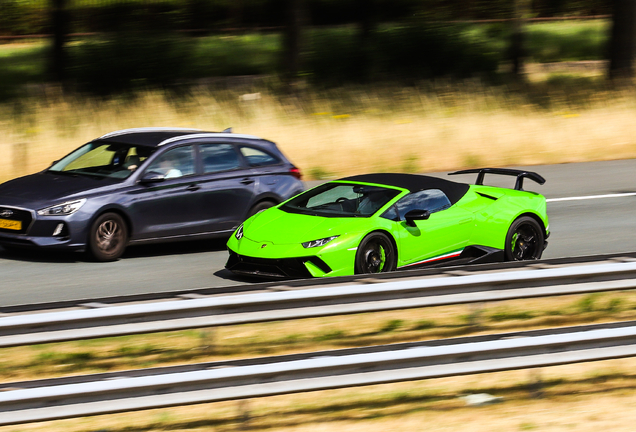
(142, 43)
(21, 17)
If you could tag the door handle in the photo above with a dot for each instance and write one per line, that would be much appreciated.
(193, 187)
(247, 181)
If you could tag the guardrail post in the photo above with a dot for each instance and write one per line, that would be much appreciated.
(244, 414)
(474, 318)
(207, 338)
(536, 384)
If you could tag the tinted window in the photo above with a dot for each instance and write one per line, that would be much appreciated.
(432, 200)
(391, 214)
(341, 200)
(219, 157)
(103, 160)
(174, 163)
(258, 158)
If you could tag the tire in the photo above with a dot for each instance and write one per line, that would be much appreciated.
(525, 240)
(108, 237)
(263, 205)
(375, 254)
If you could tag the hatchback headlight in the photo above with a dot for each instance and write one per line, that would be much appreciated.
(239, 232)
(318, 243)
(64, 209)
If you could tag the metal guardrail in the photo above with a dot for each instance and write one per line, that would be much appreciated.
(442, 269)
(313, 302)
(102, 394)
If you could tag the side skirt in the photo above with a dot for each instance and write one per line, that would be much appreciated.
(474, 254)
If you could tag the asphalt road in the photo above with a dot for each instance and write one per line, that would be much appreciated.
(584, 220)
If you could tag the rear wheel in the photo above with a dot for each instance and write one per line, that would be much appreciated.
(263, 205)
(108, 237)
(375, 254)
(525, 240)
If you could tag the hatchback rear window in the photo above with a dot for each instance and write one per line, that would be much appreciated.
(257, 158)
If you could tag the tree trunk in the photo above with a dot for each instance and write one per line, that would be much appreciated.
(293, 41)
(59, 24)
(517, 42)
(367, 24)
(623, 40)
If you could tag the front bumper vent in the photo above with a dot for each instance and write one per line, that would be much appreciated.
(281, 268)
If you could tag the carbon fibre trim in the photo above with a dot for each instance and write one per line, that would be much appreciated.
(274, 268)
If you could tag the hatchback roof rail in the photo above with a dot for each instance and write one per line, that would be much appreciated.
(208, 135)
(148, 129)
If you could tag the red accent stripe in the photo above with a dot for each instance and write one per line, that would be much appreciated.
(438, 258)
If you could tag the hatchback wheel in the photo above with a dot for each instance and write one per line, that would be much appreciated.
(108, 237)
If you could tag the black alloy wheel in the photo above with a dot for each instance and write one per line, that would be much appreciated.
(375, 254)
(525, 240)
(108, 237)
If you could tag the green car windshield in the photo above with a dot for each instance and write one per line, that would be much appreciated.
(341, 200)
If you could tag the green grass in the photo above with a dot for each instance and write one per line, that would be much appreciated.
(22, 63)
(251, 54)
(568, 41)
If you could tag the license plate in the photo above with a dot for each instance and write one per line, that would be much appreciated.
(10, 224)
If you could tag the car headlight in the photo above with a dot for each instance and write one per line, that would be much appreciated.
(239, 232)
(318, 243)
(64, 209)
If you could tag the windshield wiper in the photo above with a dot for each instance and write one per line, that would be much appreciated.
(75, 173)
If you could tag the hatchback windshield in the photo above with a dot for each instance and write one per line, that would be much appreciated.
(341, 200)
(113, 160)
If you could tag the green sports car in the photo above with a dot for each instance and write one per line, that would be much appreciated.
(382, 222)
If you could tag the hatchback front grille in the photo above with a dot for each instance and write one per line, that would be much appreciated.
(14, 220)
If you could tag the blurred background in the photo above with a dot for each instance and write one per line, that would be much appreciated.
(343, 87)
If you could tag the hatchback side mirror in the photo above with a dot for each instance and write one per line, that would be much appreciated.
(152, 177)
(414, 215)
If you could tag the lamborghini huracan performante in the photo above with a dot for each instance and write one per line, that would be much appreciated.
(376, 223)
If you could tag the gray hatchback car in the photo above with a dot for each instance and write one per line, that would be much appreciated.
(145, 185)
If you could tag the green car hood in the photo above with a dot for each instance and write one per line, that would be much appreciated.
(280, 227)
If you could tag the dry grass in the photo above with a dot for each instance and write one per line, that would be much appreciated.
(350, 131)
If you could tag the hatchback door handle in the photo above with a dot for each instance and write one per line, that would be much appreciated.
(247, 181)
(193, 187)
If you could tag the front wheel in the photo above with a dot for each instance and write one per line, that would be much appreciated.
(525, 240)
(108, 237)
(375, 254)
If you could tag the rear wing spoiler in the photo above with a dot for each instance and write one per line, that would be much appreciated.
(520, 174)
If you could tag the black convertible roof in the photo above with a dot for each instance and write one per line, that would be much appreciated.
(414, 182)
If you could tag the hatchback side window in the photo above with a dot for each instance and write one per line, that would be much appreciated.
(432, 200)
(258, 158)
(174, 163)
(219, 157)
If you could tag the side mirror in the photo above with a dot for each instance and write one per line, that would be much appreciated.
(414, 215)
(152, 177)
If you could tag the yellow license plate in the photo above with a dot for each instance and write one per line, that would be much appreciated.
(10, 224)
